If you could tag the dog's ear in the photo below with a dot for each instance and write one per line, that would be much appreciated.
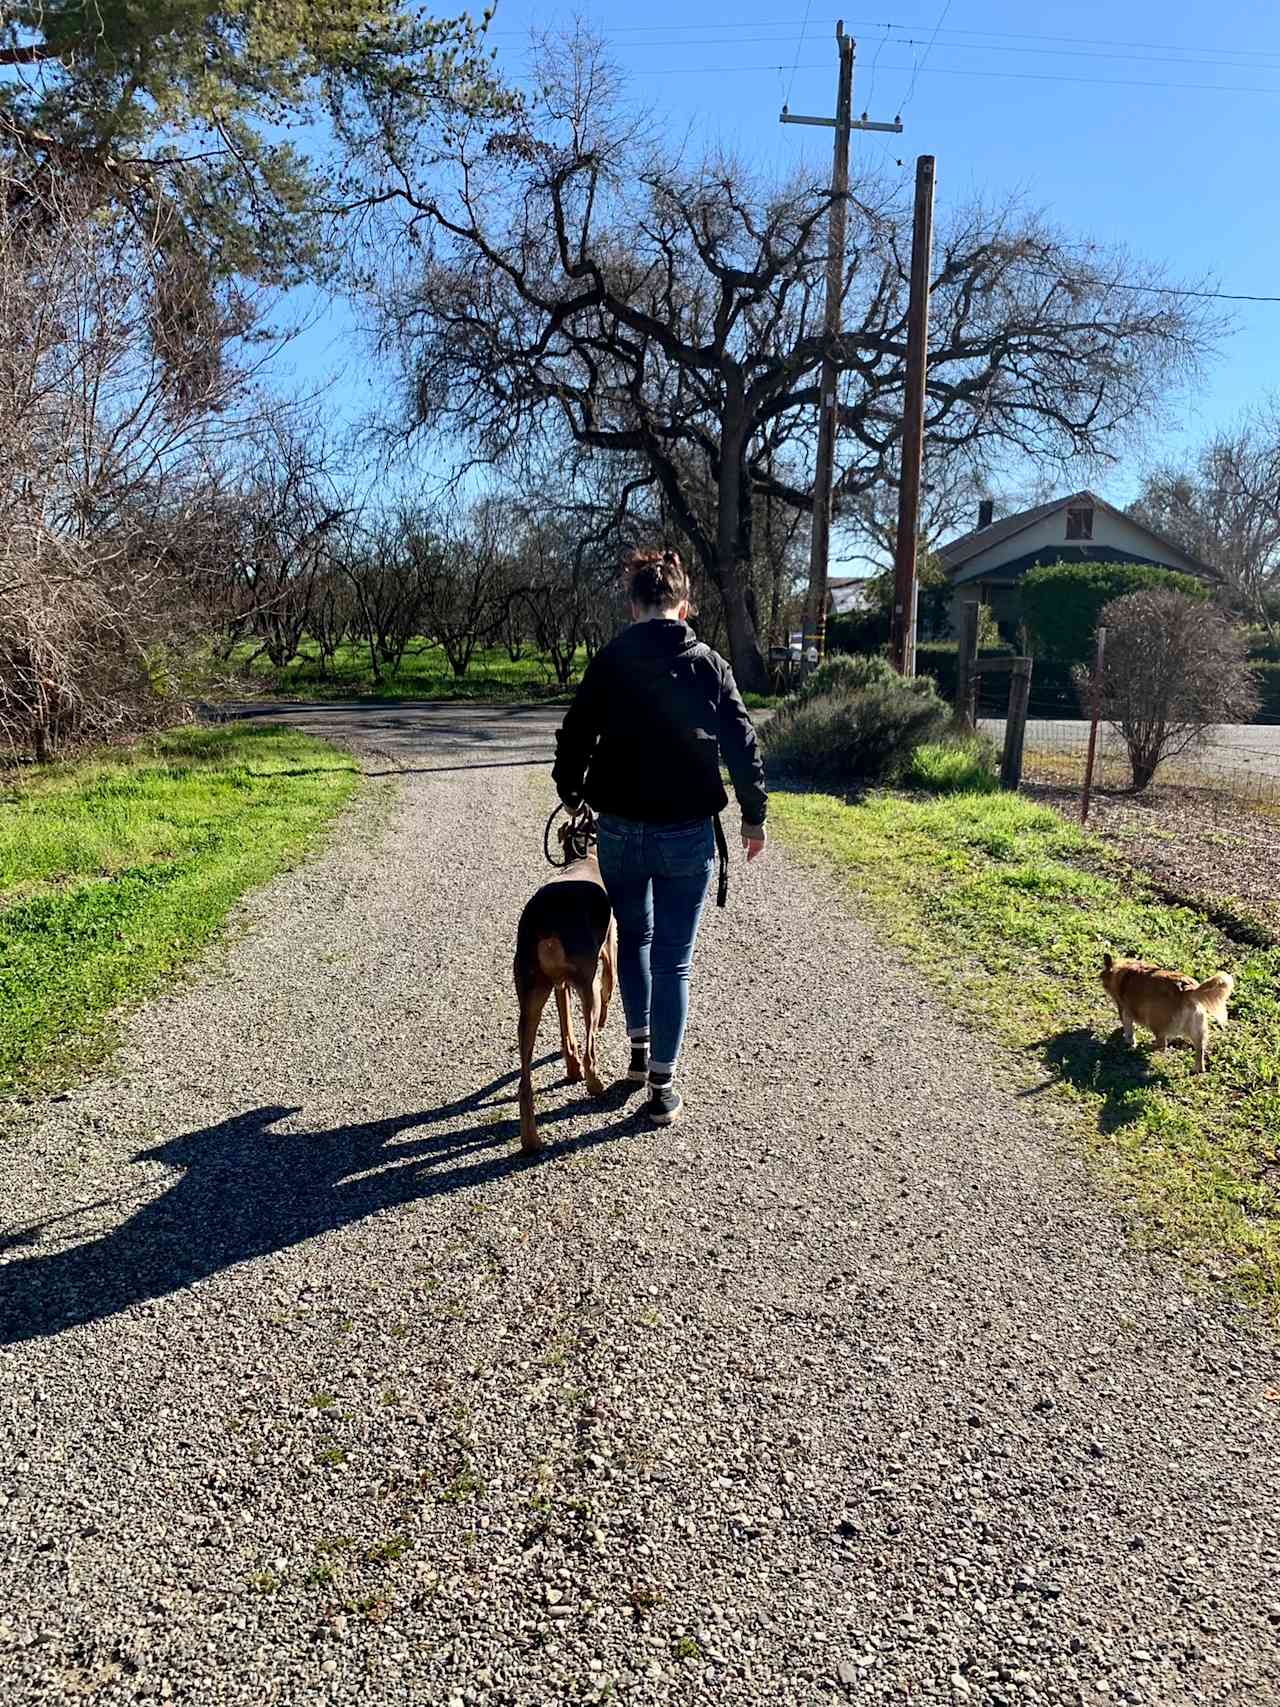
(1107, 963)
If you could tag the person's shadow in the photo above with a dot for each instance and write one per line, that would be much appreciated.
(246, 1189)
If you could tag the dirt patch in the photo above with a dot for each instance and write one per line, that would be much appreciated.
(1196, 843)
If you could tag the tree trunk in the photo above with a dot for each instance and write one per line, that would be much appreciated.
(744, 643)
(733, 553)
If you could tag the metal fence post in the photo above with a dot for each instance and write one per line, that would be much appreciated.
(1099, 657)
(966, 666)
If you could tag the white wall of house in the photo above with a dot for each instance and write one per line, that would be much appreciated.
(1108, 530)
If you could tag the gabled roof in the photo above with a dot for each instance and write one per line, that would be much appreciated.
(970, 545)
(982, 539)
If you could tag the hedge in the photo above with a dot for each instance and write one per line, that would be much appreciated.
(1062, 601)
(858, 632)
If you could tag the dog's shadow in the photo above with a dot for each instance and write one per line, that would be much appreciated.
(1105, 1066)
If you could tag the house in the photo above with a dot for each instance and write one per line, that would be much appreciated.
(989, 563)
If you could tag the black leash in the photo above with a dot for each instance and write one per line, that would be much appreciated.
(580, 840)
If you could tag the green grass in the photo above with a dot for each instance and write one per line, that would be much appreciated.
(425, 674)
(953, 767)
(116, 870)
(1009, 909)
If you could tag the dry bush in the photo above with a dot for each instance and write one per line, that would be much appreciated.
(1174, 667)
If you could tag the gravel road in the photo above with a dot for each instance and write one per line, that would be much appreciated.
(846, 1387)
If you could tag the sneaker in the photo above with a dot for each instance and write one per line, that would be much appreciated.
(638, 1072)
(664, 1105)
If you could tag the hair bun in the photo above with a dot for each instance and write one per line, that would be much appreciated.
(657, 580)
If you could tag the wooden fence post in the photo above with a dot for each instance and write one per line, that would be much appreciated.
(1015, 729)
(966, 666)
(1098, 661)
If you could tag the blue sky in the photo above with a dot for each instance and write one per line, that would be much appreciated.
(1130, 122)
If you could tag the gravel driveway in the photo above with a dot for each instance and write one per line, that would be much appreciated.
(311, 1391)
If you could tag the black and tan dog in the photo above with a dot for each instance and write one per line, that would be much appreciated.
(566, 942)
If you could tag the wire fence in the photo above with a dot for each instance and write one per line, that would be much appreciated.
(1237, 763)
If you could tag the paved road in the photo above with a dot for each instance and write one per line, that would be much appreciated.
(1247, 753)
(845, 1388)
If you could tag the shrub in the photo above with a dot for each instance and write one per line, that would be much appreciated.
(1173, 669)
(1063, 601)
(845, 673)
(855, 738)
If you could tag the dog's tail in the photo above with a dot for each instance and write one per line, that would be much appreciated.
(1213, 995)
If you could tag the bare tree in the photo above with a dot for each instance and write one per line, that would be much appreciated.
(1225, 510)
(389, 569)
(469, 570)
(106, 532)
(333, 619)
(670, 314)
(287, 507)
(1174, 668)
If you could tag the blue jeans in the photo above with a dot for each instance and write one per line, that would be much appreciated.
(657, 877)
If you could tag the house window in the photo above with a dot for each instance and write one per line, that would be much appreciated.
(1080, 521)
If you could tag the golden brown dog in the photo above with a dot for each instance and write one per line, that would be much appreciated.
(1170, 1004)
(566, 942)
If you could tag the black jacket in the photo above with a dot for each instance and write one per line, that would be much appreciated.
(655, 713)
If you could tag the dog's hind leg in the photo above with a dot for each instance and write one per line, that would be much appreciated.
(533, 998)
(568, 1042)
(1199, 1029)
(589, 996)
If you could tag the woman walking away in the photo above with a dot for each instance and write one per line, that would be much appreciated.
(642, 743)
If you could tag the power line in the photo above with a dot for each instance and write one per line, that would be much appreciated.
(915, 75)
(804, 26)
(958, 71)
(976, 47)
(871, 92)
(1250, 53)
(1159, 290)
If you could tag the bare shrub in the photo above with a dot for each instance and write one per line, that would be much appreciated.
(1174, 668)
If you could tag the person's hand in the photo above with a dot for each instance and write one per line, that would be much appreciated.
(753, 841)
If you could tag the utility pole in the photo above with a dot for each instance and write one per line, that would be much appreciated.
(815, 618)
(903, 640)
